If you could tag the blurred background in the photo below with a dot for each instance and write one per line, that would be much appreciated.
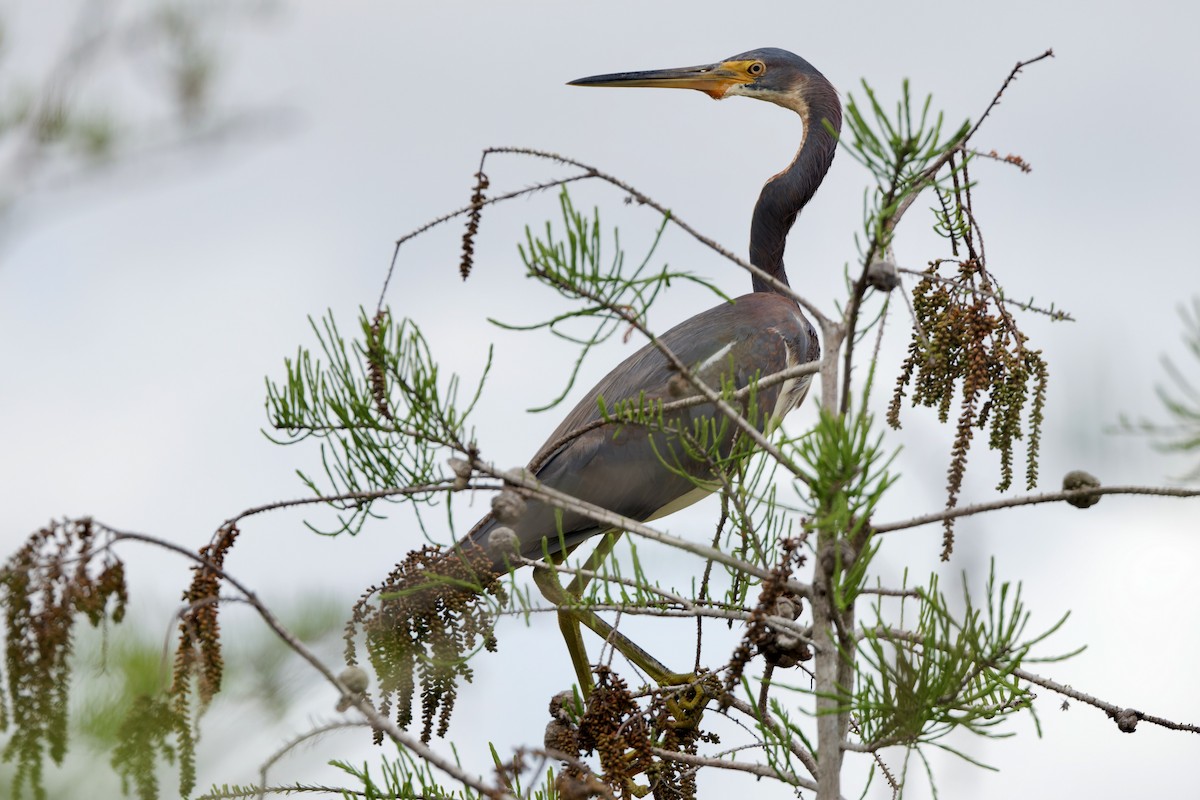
(229, 175)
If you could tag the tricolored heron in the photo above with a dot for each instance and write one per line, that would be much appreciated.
(622, 468)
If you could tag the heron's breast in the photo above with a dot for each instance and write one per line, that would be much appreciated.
(800, 347)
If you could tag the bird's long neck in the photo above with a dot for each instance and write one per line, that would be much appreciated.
(787, 193)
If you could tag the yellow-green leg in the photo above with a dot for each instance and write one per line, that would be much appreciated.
(571, 615)
(547, 581)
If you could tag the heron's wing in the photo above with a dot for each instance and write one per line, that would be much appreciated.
(642, 473)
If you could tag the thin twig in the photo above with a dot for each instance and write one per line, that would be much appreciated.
(528, 485)
(761, 770)
(1013, 160)
(1123, 716)
(702, 595)
(446, 485)
(887, 773)
(800, 631)
(780, 733)
(764, 687)
(1012, 76)
(293, 788)
(913, 593)
(1033, 499)
(537, 187)
(296, 742)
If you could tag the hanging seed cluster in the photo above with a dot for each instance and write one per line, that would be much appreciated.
(622, 733)
(199, 652)
(967, 349)
(62, 571)
(778, 649)
(376, 350)
(468, 243)
(613, 727)
(421, 625)
(198, 660)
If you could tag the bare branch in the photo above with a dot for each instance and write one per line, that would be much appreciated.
(447, 485)
(295, 742)
(1126, 718)
(761, 770)
(531, 487)
(1012, 76)
(433, 223)
(762, 717)
(1033, 499)
(803, 632)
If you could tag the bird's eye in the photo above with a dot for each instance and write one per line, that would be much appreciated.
(757, 68)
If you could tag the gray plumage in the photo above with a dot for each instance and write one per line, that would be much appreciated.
(621, 467)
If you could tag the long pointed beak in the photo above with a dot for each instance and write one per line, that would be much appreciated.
(712, 79)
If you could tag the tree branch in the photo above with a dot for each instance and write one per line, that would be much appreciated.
(761, 770)
(1033, 499)
(531, 487)
(1126, 718)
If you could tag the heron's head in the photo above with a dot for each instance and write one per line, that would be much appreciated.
(767, 73)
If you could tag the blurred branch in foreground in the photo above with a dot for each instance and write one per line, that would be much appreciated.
(118, 89)
(1181, 399)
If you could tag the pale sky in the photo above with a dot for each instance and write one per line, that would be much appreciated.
(138, 316)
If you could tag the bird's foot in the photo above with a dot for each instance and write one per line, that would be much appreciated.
(686, 706)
